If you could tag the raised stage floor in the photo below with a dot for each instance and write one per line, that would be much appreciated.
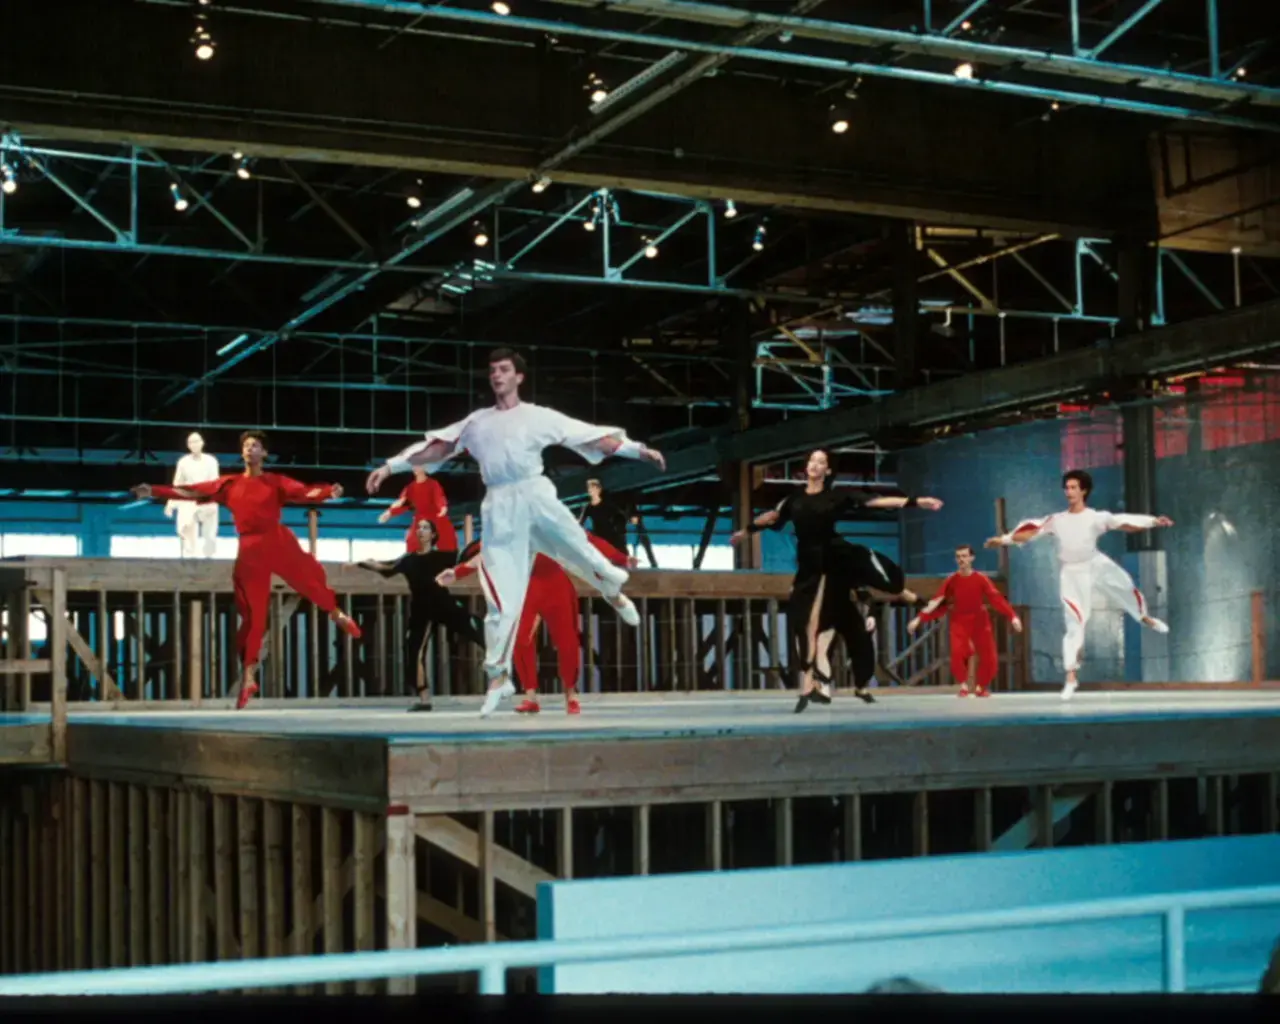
(661, 748)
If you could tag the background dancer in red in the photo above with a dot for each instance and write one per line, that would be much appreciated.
(255, 499)
(962, 596)
(426, 498)
(551, 598)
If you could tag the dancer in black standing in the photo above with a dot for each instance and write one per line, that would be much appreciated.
(429, 603)
(828, 569)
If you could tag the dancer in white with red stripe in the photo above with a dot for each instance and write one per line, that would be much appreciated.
(1085, 569)
(521, 513)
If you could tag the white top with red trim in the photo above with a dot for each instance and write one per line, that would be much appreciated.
(1077, 533)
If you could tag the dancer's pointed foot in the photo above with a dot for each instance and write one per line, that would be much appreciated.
(625, 609)
(348, 625)
(494, 697)
(248, 690)
(1156, 624)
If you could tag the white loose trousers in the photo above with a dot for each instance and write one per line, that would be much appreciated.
(1079, 581)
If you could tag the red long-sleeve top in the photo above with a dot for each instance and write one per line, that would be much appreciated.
(963, 597)
(426, 499)
(542, 565)
(255, 501)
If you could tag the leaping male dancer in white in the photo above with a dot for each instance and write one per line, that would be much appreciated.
(521, 512)
(1084, 568)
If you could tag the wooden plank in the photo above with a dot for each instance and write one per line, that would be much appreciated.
(274, 877)
(199, 825)
(1103, 820)
(564, 842)
(488, 892)
(920, 824)
(35, 922)
(117, 861)
(18, 903)
(365, 883)
(783, 832)
(715, 835)
(79, 874)
(250, 840)
(6, 889)
(137, 838)
(455, 839)
(179, 874)
(27, 667)
(157, 865)
(1258, 635)
(640, 839)
(982, 821)
(58, 630)
(332, 887)
(223, 876)
(303, 887)
(195, 652)
(98, 873)
(401, 891)
(852, 830)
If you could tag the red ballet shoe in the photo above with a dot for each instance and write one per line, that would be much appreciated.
(348, 625)
(982, 691)
(572, 706)
(528, 706)
(247, 693)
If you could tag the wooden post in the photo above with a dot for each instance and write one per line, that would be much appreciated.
(365, 883)
(488, 916)
(58, 666)
(198, 823)
(331, 886)
(402, 890)
(98, 871)
(195, 652)
(313, 530)
(783, 832)
(920, 824)
(564, 842)
(1002, 527)
(137, 839)
(853, 826)
(303, 888)
(1257, 608)
(982, 823)
(247, 858)
(157, 861)
(640, 840)
(715, 835)
(468, 529)
(273, 871)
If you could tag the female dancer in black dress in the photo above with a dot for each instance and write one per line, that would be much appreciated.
(828, 569)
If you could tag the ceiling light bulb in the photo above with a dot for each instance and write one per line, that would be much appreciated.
(964, 70)
(650, 251)
(599, 95)
(500, 8)
(10, 186)
(730, 210)
(413, 201)
(840, 126)
(589, 225)
(482, 239)
(541, 184)
(204, 51)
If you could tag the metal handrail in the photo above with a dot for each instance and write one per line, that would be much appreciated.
(492, 960)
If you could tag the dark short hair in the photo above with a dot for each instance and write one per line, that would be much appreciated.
(253, 435)
(1081, 477)
(499, 355)
(966, 547)
(425, 522)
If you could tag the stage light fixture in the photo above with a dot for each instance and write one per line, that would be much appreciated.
(541, 184)
(758, 242)
(964, 71)
(650, 249)
(498, 7)
(481, 236)
(242, 166)
(9, 182)
(730, 210)
(839, 120)
(179, 200)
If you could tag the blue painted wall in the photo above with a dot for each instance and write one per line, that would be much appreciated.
(1226, 950)
(1211, 569)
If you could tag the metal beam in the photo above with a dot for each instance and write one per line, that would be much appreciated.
(1191, 345)
(1114, 35)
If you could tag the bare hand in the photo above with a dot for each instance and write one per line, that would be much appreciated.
(932, 504)
(913, 625)
(447, 578)
(994, 542)
(737, 536)
(1163, 521)
(633, 562)
(142, 491)
(385, 516)
(337, 491)
(376, 479)
(1016, 624)
(654, 456)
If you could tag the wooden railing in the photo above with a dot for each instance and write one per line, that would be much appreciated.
(164, 631)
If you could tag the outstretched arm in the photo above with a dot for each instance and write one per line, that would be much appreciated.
(1027, 530)
(398, 507)
(306, 494)
(619, 558)
(935, 609)
(437, 446)
(210, 490)
(771, 519)
(1127, 522)
(385, 569)
(890, 502)
(460, 571)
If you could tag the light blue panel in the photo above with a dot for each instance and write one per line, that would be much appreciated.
(1226, 950)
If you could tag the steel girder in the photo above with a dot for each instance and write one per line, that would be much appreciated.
(1078, 63)
(1187, 346)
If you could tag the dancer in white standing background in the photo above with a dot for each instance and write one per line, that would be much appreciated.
(1085, 569)
(196, 521)
(521, 512)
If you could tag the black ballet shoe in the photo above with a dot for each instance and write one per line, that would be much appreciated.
(424, 701)
(819, 697)
(803, 702)
(865, 696)
(825, 680)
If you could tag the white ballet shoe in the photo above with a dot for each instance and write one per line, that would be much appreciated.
(1068, 690)
(1158, 625)
(494, 697)
(625, 609)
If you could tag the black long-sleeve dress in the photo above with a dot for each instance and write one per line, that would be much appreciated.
(429, 602)
(822, 553)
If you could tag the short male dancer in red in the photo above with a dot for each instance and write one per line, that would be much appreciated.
(426, 498)
(267, 546)
(551, 598)
(962, 595)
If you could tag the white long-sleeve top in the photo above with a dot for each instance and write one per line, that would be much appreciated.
(1077, 533)
(508, 443)
(193, 469)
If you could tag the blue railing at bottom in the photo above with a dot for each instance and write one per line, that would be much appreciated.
(493, 960)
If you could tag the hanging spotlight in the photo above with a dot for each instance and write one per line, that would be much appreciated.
(203, 38)
(730, 211)
(481, 236)
(413, 197)
(964, 71)
(242, 166)
(8, 180)
(498, 7)
(758, 243)
(839, 119)
(179, 200)
(596, 87)
(1241, 71)
(650, 249)
(965, 26)
(541, 184)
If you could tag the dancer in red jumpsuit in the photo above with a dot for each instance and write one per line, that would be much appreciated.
(551, 598)
(266, 546)
(962, 595)
(426, 498)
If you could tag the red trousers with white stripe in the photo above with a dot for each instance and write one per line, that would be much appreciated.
(1080, 582)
